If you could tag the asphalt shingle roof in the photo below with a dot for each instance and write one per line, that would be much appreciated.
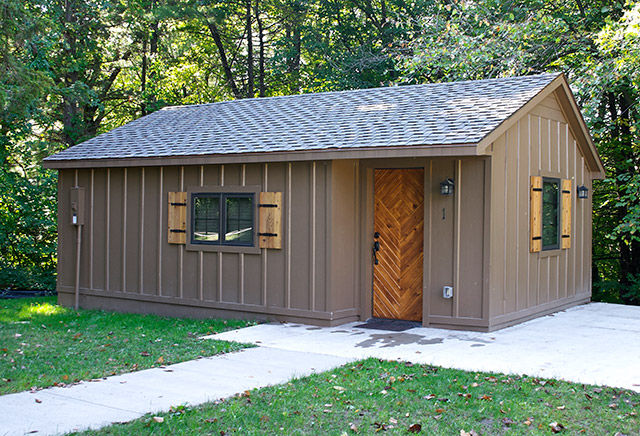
(434, 114)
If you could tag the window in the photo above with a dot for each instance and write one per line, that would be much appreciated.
(222, 219)
(550, 214)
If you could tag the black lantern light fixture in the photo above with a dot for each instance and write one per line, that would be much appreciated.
(583, 192)
(446, 187)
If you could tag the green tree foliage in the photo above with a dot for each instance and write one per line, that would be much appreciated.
(75, 68)
(27, 193)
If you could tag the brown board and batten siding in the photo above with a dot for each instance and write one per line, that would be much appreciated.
(128, 264)
(310, 161)
(526, 283)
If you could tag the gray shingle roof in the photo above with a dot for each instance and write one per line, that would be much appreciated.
(434, 114)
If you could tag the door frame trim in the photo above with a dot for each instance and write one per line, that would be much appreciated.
(367, 206)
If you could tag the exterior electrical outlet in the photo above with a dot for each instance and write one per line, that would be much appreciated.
(77, 206)
(447, 292)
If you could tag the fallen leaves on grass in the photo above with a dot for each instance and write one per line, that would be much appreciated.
(507, 421)
(415, 428)
(158, 419)
(556, 427)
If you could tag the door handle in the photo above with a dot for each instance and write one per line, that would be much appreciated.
(376, 248)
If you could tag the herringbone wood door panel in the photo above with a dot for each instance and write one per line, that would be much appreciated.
(399, 219)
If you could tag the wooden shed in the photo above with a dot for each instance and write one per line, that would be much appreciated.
(457, 205)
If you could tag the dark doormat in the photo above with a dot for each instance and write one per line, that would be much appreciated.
(393, 325)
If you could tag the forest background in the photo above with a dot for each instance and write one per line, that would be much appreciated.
(72, 69)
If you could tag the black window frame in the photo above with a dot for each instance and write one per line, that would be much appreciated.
(222, 196)
(558, 218)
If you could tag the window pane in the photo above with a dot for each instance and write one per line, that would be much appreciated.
(206, 219)
(550, 214)
(239, 220)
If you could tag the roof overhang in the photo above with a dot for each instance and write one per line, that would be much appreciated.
(457, 150)
(560, 87)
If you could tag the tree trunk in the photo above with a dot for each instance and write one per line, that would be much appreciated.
(249, 19)
(215, 34)
(70, 108)
(261, 85)
(143, 78)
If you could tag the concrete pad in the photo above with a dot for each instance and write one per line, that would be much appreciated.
(595, 343)
(129, 396)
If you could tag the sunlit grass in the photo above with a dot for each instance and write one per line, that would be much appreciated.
(44, 309)
(43, 344)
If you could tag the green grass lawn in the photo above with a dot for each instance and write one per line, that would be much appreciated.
(43, 344)
(391, 398)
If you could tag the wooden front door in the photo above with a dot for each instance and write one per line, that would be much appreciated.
(399, 227)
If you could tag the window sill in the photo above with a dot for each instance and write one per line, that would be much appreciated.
(550, 253)
(223, 248)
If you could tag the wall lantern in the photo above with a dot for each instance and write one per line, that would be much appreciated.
(446, 187)
(583, 192)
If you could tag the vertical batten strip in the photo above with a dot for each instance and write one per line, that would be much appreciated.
(220, 252)
(428, 234)
(529, 166)
(91, 204)
(141, 272)
(575, 216)
(313, 237)
(559, 148)
(549, 144)
(356, 240)
(241, 255)
(181, 248)
(517, 217)
(506, 217)
(456, 239)
(288, 253)
(264, 251)
(582, 219)
(200, 253)
(160, 228)
(107, 233)
(124, 232)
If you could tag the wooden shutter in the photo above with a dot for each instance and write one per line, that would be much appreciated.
(270, 220)
(177, 218)
(535, 232)
(566, 213)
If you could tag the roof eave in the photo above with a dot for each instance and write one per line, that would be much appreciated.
(436, 150)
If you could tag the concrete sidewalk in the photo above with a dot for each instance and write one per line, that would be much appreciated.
(129, 396)
(595, 343)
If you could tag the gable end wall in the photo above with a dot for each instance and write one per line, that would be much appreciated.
(524, 284)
